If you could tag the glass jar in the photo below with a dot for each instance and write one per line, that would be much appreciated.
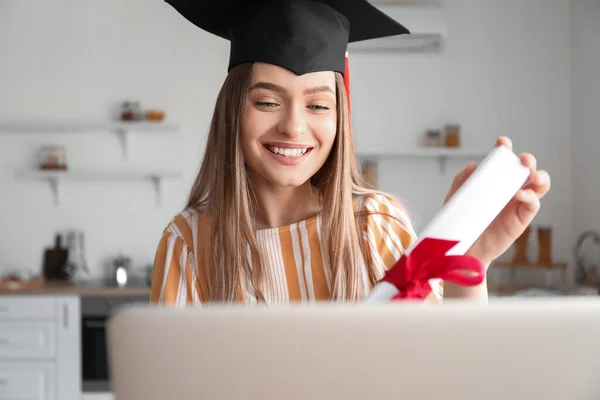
(433, 138)
(452, 135)
(127, 111)
(52, 157)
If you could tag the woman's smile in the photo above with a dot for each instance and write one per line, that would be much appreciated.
(288, 154)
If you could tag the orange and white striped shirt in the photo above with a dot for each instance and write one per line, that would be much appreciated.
(293, 256)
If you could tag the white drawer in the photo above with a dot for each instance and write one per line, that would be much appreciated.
(27, 339)
(21, 307)
(27, 381)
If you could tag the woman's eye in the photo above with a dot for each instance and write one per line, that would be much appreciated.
(318, 108)
(266, 104)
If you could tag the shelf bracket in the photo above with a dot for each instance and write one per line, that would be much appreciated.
(443, 162)
(157, 189)
(54, 187)
(122, 133)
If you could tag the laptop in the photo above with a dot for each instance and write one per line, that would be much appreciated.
(537, 348)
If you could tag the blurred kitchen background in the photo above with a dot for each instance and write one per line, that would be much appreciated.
(474, 70)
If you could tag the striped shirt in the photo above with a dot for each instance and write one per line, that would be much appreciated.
(295, 270)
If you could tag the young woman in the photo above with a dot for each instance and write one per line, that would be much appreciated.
(279, 212)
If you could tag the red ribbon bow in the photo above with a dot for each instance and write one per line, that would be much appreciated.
(428, 260)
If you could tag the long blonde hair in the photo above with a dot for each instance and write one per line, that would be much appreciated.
(222, 191)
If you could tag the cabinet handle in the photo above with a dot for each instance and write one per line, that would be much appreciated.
(66, 315)
(3, 339)
(3, 380)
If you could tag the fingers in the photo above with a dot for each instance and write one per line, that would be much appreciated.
(529, 205)
(504, 141)
(540, 183)
(537, 187)
(539, 180)
(529, 161)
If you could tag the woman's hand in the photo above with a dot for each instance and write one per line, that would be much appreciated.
(515, 217)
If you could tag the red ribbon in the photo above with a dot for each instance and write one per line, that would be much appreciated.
(428, 260)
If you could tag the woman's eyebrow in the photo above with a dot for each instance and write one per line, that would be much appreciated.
(319, 89)
(276, 88)
(268, 86)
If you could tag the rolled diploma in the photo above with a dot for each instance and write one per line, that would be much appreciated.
(471, 209)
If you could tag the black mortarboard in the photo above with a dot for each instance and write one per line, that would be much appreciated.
(300, 35)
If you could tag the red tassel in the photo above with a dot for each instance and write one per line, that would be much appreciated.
(347, 79)
(347, 85)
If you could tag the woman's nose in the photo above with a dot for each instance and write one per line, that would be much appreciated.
(293, 123)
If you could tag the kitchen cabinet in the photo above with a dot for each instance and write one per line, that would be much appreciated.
(27, 340)
(40, 347)
(35, 381)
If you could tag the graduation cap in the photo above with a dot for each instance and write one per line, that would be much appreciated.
(300, 35)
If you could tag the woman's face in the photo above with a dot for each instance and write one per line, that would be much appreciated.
(289, 125)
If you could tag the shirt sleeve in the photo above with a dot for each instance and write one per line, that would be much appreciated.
(174, 281)
(388, 234)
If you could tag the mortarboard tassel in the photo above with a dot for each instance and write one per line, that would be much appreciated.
(347, 80)
(347, 85)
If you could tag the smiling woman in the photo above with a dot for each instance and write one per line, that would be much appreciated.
(278, 211)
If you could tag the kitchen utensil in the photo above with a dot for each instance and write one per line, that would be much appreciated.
(76, 266)
(84, 265)
(54, 261)
(587, 256)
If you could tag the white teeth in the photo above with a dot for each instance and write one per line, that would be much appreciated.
(287, 152)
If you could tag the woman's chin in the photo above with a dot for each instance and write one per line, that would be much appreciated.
(288, 179)
(289, 183)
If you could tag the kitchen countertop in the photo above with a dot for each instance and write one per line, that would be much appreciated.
(91, 288)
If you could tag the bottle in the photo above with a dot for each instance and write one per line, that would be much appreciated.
(545, 246)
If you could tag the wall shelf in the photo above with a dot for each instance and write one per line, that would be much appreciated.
(54, 177)
(441, 154)
(121, 129)
(549, 272)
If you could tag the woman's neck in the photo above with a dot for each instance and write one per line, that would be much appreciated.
(280, 206)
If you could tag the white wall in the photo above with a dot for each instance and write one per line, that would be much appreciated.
(586, 106)
(506, 71)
